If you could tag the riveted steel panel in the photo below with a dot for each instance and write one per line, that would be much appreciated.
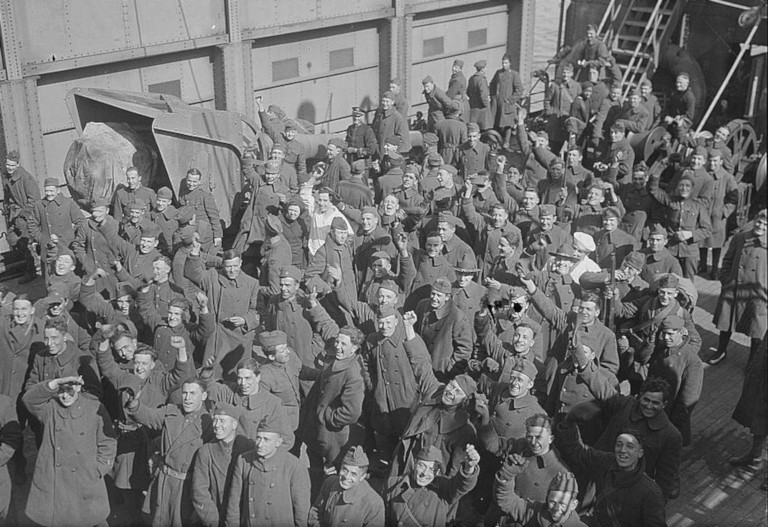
(320, 95)
(266, 13)
(52, 30)
(56, 147)
(332, 9)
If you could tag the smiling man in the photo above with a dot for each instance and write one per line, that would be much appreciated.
(557, 508)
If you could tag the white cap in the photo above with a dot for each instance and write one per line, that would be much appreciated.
(584, 242)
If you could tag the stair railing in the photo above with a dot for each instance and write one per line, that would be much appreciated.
(610, 14)
(651, 23)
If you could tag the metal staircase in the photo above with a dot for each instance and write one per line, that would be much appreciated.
(635, 32)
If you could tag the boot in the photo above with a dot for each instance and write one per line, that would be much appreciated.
(747, 462)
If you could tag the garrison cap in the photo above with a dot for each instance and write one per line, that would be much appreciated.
(556, 161)
(634, 92)
(546, 210)
(388, 311)
(51, 182)
(516, 292)
(480, 64)
(636, 260)
(278, 147)
(392, 140)
(388, 95)
(271, 424)
(389, 285)
(395, 159)
(270, 339)
(450, 169)
(339, 223)
(185, 215)
(619, 127)
(687, 176)
(380, 255)
(668, 281)
(370, 209)
(611, 212)
(473, 128)
(138, 204)
(164, 193)
(716, 152)
(430, 138)
(434, 159)
(587, 85)
(430, 453)
(274, 225)
(337, 142)
(125, 289)
(226, 409)
(701, 151)
(442, 285)
(466, 383)
(523, 366)
(290, 125)
(54, 298)
(275, 109)
(187, 235)
(65, 251)
(357, 167)
(396, 81)
(291, 271)
(448, 217)
(427, 80)
(564, 482)
(672, 322)
(459, 63)
(568, 67)
(151, 230)
(272, 166)
(99, 202)
(584, 242)
(658, 229)
(355, 457)
(13, 155)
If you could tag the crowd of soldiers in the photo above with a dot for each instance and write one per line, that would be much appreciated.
(388, 332)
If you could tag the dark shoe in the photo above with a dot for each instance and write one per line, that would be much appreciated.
(716, 359)
(747, 462)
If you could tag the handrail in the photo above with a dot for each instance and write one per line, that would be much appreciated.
(640, 42)
(608, 11)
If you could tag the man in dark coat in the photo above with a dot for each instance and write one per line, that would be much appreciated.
(234, 297)
(457, 89)
(612, 240)
(184, 428)
(725, 198)
(20, 191)
(191, 194)
(681, 108)
(506, 90)
(437, 101)
(11, 441)
(451, 133)
(744, 294)
(269, 485)
(590, 51)
(129, 193)
(214, 464)
(164, 216)
(658, 260)
(472, 155)
(361, 141)
(77, 450)
(347, 498)
(559, 507)
(388, 122)
(479, 97)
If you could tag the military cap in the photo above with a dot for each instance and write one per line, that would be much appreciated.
(611, 212)
(370, 209)
(584, 242)
(225, 409)
(357, 111)
(164, 193)
(429, 138)
(99, 202)
(640, 167)
(275, 109)
(546, 210)
(392, 140)
(587, 85)
(568, 67)
(564, 482)
(137, 204)
(556, 161)
(187, 235)
(716, 152)
(395, 159)
(355, 457)
(337, 142)
(13, 155)
(658, 229)
(270, 339)
(427, 80)
(542, 133)
(339, 223)
(672, 322)
(357, 167)
(51, 182)
(448, 217)
(646, 82)
(566, 253)
(65, 251)
(636, 260)
(274, 225)
(467, 270)
(480, 64)
(271, 424)
(388, 95)
(459, 63)
(466, 383)
(517, 291)
(524, 366)
(479, 177)
(442, 285)
(291, 271)
(473, 128)
(290, 125)
(278, 147)
(687, 176)
(634, 92)
(434, 159)
(668, 281)
(303, 178)
(380, 255)
(150, 230)
(450, 169)
(619, 127)
(430, 453)
(54, 298)
(184, 215)
(125, 289)
(396, 81)
(272, 166)
(492, 136)
(390, 285)
(388, 311)
(701, 151)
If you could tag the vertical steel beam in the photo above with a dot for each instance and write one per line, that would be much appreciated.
(11, 43)
(22, 128)
(232, 77)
